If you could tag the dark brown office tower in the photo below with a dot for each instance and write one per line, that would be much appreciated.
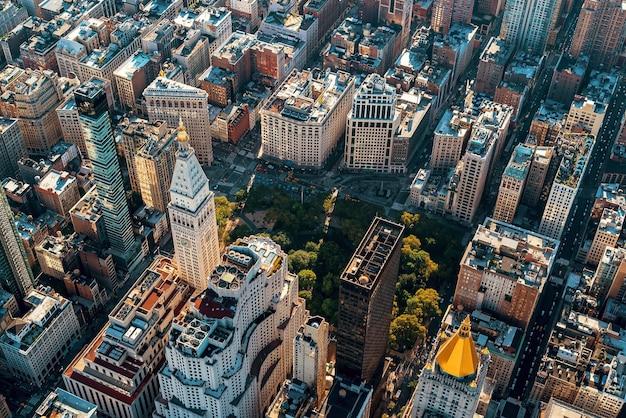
(368, 11)
(600, 32)
(366, 290)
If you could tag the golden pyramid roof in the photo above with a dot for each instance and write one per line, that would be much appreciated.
(457, 355)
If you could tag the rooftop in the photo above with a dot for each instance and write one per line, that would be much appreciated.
(309, 95)
(56, 181)
(233, 49)
(373, 253)
(498, 51)
(62, 404)
(511, 251)
(454, 123)
(576, 149)
(519, 162)
(134, 63)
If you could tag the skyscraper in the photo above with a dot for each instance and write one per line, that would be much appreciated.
(527, 23)
(371, 127)
(170, 101)
(452, 380)
(310, 354)
(512, 183)
(574, 151)
(15, 273)
(92, 105)
(600, 32)
(192, 217)
(447, 12)
(12, 147)
(231, 347)
(366, 291)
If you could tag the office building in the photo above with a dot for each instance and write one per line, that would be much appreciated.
(192, 217)
(607, 234)
(600, 32)
(609, 280)
(231, 347)
(132, 77)
(60, 403)
(583, 365)
(537, 174)
(399, 13)
(12, 147)
(154, 163)
(117, 370)
(447, 12)
(32, 99)
(493, 61)
(92, 107)
(449, 140)
(56, 256)
(585, 115)
(574, 151)
(58, 191)
(513, 183)
(310, 350)
(366, 289)
(454, 376)
(303, 121)
(548, 123)
(171, 101)
(149, 147)
(484, 145)
(567, 78)
(16, 276)
(348, 398)
(503, 271)
(35, 343)
(371, 127)
(527, 24)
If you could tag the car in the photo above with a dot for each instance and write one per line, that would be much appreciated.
(216, 187)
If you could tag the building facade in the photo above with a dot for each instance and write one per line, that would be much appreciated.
(310, 350)
(170, 101)
(35, 343)
(117, 370)
(304, 119)
(513, 183)
(231, 347)
(574, 151)
(527, 24)
(192, 217)
(492, 277)
(92, 106)
(371, 128)
(454, 376)
(366, 289)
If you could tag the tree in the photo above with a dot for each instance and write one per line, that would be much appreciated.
(330, 285)
(223, 210)
(409, 220)
(240, 231)
(329, 308)
(424, 304)
(306, 279)
(299, 260)
(306, 295)
(328, 203)
(411, 243)
(241, 195)
(406, 329)
(283, 239)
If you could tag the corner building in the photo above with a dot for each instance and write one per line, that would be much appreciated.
(305, 118)
(454, 376)
(231, 348)
(366, 290)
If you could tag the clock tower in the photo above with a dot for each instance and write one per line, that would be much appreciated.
(192, 217)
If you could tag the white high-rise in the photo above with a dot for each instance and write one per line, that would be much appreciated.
(231, 348)
(527, 23)
(310, 354)
(575, 150)
(192, 217)
(371, 127)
